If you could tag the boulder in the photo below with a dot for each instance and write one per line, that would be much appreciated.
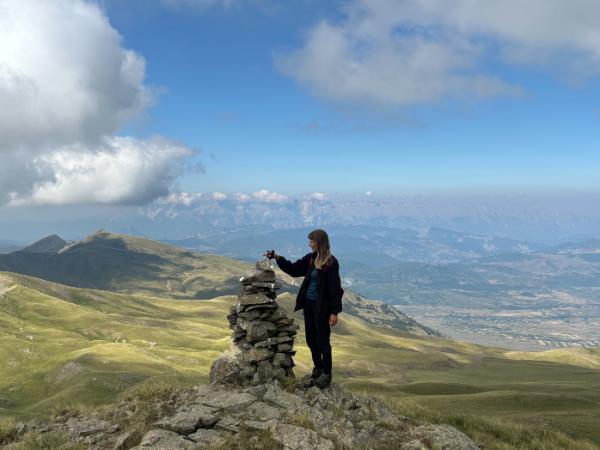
(294, 437)
(189, 420)
(163, 440)
(443, 437)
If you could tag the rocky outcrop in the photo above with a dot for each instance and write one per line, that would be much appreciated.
(263, 334)
(215, 416)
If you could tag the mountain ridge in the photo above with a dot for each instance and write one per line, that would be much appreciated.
(130, 264)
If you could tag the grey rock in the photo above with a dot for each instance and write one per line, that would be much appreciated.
(225, 369)
(228, 400)
(257, 391)
(274, 340)
(256, 275)
(294, 437)
(238, 336)
(254, 299)
(228, 423)
(283, 322)
(86, 427)
(444, 437)
(164, 440)
(285, 347)
(266, 315)
(257, 354)
(264, 372)
(279, 314)
(242, 324)
(258, 331)
(264, 264)
(260, 424)
(209, 438)
(279, 397)
(188, 421)
(262, 307)
(282, 359)
(250, 315)
(263, 411)
(262, 284)
(293, 327)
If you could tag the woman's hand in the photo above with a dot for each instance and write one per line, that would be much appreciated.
(270, 254)
(333, 320)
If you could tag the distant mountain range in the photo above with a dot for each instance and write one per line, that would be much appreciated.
(364, 246)
(566, 267)
(549, 218)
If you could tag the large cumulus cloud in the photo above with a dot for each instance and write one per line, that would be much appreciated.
(412, 52)
(67, 86)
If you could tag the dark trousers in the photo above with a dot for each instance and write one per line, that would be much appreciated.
(318, 331)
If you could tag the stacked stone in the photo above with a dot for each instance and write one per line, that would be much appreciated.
(262, 330)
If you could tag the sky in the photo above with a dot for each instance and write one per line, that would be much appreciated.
(127, 101)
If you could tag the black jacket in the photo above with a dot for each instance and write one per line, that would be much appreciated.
(329, 284)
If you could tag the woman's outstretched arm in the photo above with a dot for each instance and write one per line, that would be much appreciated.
(294, 269)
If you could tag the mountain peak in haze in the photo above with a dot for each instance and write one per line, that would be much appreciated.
(49, 244)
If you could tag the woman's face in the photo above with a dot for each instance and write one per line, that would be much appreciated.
(312, 244)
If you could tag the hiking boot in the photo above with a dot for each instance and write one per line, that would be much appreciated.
(308, 380)
(323, 380)
(315, 373)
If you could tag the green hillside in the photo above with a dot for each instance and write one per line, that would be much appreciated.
(133, 265)
(129, 264)
(63, 344)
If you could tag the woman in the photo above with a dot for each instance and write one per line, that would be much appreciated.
(320, 296)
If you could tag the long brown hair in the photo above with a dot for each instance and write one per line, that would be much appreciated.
(323, 250)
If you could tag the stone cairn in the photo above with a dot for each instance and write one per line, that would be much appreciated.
(263, 334)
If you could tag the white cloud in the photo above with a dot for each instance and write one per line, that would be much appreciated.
(63, 74)
(219, 196)
(406, 52)
(181, 198)
(124, 170)
(67, 86)
(241, 197)
(318, 196)
(269, 196)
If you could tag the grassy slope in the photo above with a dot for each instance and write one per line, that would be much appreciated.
(132, 265)
(62, 344)
(129, 264)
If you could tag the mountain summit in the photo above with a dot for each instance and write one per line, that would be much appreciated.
(49, 244)
(270, 415)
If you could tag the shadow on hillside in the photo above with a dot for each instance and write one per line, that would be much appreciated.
(98, 264)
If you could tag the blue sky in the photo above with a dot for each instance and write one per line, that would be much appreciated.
(127, 102)
(260, 129)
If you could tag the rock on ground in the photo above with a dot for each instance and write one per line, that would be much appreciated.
(296, 418)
